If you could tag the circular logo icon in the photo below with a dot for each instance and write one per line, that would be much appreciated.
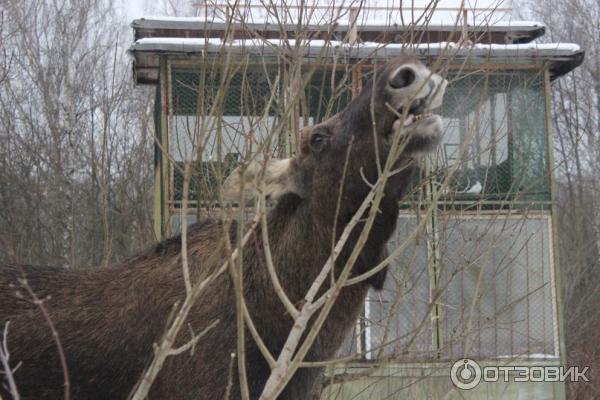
(465, 374)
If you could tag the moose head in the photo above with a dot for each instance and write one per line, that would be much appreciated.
(356, 142)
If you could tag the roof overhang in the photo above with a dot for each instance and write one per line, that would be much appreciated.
(560, 57)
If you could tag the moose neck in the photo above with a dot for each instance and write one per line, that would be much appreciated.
(306, 232)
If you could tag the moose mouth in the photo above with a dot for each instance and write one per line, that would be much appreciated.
(412, 118)
(417, 112)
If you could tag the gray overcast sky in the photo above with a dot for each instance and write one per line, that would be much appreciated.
(133, 8)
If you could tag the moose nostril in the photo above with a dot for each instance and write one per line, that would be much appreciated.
(403, 78)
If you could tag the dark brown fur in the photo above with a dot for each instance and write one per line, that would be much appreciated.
(108, 319)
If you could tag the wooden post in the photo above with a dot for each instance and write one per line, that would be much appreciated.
(353, 31)
(465, 27)
(161, 167)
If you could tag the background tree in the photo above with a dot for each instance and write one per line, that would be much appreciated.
(75, 146)
(576, 119)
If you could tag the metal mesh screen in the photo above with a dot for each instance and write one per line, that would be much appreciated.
(496, 277)
(398, 317)
(196, 91)
(493, 296)
(495, 131)
(326, 93)
(215, 121)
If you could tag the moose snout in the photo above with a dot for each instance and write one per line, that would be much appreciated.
(415, 81)
(403, 77)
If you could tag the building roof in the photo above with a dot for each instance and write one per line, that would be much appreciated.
(562, 57)
(368, 30)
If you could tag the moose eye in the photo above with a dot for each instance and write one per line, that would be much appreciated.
(317, 141)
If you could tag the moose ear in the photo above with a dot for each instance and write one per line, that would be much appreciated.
(273, 175)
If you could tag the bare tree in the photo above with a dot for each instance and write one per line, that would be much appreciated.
(74, 147)
(576, 122)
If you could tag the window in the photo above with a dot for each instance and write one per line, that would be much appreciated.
(495, 132)
(493, 294)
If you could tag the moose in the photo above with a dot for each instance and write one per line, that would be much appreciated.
(109, 319)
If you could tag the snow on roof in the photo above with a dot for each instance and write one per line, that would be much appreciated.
(562, 57)
(314, 47)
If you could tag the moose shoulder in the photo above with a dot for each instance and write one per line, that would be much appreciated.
(108, 319)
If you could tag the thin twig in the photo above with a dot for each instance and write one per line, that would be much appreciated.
(4, 359)
(289, 306)
(184, 229)
(190, 345)
(257, 339)
(61, 354)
